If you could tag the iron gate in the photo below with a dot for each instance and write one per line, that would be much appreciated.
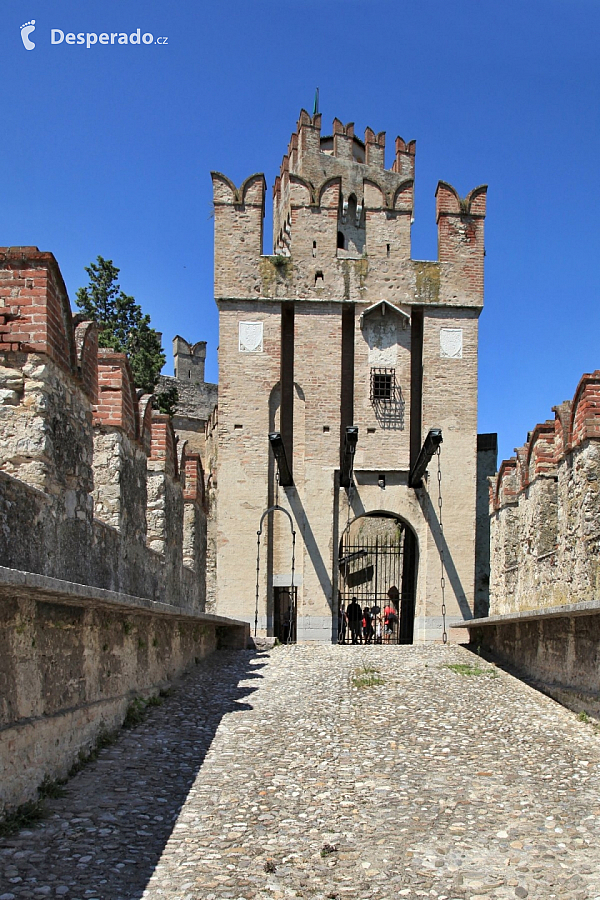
(369, 567)
(285, 614)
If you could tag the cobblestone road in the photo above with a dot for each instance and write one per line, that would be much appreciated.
(272, 776)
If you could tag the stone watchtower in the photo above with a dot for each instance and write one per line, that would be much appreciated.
(197, 398)
(337, 356)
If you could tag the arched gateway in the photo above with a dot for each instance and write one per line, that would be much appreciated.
(379, 552)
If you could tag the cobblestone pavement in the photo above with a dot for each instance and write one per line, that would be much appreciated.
(272, 776)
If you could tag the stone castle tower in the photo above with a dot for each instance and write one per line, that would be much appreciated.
(196, 397)
(337, 356)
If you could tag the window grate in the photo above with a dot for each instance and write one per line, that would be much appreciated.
(383, 385)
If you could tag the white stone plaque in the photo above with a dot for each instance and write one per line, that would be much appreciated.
(286, 580)
(382, 338)
(451, 343)
(251, 337)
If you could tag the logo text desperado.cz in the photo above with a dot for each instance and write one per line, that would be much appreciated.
(89, 38)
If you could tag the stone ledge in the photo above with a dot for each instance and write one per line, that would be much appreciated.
(56, 590)
(584, 608)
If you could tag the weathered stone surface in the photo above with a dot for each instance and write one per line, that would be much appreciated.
(90, 486)
(94, 498)
(72, 659)
(545, 512)
(545, 569)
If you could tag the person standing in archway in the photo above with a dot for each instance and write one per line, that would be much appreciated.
(390, 613)
(354, 616)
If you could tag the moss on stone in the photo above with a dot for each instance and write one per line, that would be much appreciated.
(427, 283)
(274, 269)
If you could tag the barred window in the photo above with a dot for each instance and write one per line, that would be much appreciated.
(383, 385)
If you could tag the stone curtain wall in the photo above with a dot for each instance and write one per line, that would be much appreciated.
(69, 672)
(545, 512)
(91, 487)
(102, 536)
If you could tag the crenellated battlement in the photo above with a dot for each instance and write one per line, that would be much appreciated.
(315, 162)
(545, 510)
(550, 443)
(461, 247)
(103, 533)
(404, 163)
(189, 360)
(35, 313)
(374, 148)
(117, 404)
(343, 143)
(344, 221)
(97, 468)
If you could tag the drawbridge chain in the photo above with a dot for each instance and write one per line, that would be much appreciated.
(442, 561)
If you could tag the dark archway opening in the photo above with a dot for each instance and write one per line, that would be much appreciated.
(378, 566)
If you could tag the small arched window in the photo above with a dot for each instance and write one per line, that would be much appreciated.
(341, 241)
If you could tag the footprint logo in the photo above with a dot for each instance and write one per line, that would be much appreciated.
(26, 30)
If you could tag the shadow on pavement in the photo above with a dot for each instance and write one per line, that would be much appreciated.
(103, 839)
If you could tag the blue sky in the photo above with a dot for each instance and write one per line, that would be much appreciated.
(108, 151)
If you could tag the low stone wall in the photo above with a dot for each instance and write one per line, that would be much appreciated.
(72, 658)
(558, 649)
(102, 536)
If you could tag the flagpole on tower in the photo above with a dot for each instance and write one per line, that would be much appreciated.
(316, 106)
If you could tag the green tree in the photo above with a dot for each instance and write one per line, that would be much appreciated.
(124, 327)
(166, 402)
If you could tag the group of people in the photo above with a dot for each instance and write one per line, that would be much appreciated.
(368, 625)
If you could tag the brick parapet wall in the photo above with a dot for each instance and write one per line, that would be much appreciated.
(194, 478)
(545, 511)
(117, 405)
(550, 443)
(404, 163)
(73, 432)
(86, 342)
(194, 517)
(585, 412)
(35, 314)
(145, 408)
(163, 455)
(166, 513)
(541, 457)
(460, 236)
